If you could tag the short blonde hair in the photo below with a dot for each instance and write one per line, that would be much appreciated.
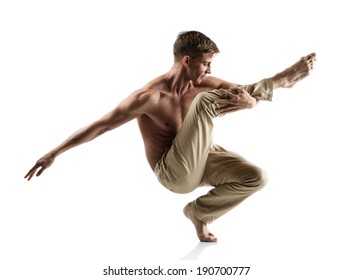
(194, 44)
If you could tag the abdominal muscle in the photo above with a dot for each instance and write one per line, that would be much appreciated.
(157, 138)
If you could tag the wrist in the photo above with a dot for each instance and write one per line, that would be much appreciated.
(54, 153)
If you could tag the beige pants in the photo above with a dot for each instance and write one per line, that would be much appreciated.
(193, 160)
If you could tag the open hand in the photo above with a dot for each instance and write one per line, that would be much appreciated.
(43, 163)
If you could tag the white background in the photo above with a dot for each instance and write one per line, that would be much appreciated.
(63, 64)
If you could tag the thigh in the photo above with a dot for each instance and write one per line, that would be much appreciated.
(225, 167)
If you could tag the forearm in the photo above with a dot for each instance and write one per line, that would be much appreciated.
(81, 136)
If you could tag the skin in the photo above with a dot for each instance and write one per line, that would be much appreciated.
(161, 106)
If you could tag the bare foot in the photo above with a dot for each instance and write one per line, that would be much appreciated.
(201, 228)
(295, 73)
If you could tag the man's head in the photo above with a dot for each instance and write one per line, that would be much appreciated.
(193, 44)
(194, 51)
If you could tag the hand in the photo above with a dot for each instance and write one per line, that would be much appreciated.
(235, 99)
(43, 163)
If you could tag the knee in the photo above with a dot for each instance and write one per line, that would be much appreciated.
(263, 179)
(257, 179)
(204, 101)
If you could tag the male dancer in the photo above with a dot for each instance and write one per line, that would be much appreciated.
(174, 113)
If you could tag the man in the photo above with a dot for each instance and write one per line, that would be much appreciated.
(174, 114)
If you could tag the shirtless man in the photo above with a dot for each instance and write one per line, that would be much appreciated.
(174, 114)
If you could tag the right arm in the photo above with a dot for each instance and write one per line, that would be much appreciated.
(133, 106)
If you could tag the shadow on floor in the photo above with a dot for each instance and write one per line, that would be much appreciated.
(196, 252)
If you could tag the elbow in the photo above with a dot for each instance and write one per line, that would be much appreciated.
(103, 130)
(96, 129)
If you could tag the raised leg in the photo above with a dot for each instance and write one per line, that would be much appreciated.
(295, 73)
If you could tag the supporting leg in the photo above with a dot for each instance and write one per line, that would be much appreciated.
(234, 179)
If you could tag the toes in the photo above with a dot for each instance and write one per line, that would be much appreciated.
(310, 60)
(208, 238)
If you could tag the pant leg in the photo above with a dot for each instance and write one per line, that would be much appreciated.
(234, 179)
(181, 168)
(261, 90)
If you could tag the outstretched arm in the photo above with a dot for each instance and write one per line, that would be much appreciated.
(127, 110)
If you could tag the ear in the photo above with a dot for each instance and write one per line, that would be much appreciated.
(185, 60)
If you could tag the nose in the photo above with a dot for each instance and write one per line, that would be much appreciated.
(208, 70)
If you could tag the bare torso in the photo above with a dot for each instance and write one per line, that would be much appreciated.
(161, 124)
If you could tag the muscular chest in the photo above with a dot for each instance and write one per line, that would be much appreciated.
(168, 115)
(173, 110)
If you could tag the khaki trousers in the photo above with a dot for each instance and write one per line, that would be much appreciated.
(193, 160)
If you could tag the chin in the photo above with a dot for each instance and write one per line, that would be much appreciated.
(199, 80)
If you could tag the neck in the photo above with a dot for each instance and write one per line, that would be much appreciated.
(177, 80)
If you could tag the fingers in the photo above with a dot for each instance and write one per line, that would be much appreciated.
(234, 99)
(222, 101)
(228, 109)
(33, 171)
(232, 93)
(227, 105)
(30, 173)
(233, 90)
(226, 94)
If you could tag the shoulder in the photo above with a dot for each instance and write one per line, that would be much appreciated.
(144, 94)
(152, 90)
(143, 98)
